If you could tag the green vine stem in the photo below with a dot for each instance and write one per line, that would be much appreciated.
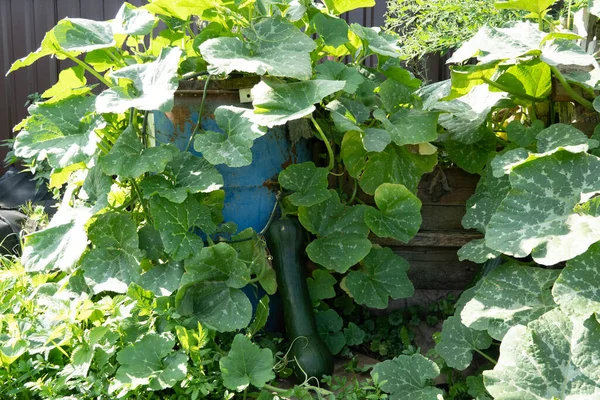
(490, 359)
(574, 95)
(327, 144)
(138, 192)
(510, 91)
(199, 124)
(87, 68)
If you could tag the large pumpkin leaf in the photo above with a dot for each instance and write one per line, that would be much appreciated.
(342, 6)
(129, 159)
(341, 233)
(576, 289)
(538, 215)
(82, 35)
(337, 71)
(176, 223)
(399, 214)
(477, 251)
(162, 279)
(457, 343)
(62, 133)
(553, 357)
(408, 377)
(378, 42)
(184, 174)
(509, 295)
(273, 46)
(216, 263)
(309, 183)
(474, 156)
(277, 103)
(61, 244)
(383, 276)
(114, 262)
(149, 361)
(215, 305)
(181, 9)
(533, 6)
(333, 31)
(246, 364)
(483, 204)
(233, 147)
(133, 21)
(152, 85)
(532, 78)
(409, 126)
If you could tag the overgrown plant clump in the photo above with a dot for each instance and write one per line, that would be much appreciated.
(131, 290)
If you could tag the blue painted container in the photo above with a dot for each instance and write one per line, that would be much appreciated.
(250, 196)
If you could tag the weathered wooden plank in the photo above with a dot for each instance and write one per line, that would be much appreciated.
(442, 218)
(432, 239)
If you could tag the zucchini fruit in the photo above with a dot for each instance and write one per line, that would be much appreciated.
(285, 240)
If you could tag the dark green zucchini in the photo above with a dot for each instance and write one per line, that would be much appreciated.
(285, 239)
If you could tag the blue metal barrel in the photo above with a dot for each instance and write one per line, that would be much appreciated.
(250, 196)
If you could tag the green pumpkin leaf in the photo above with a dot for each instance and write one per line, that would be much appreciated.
(483, 204)
(576, 289)
(506, 43)
(216, 263)
(399, 214)
(395, 94)
(465, 77)
(383, 276)
(48, 47)
(472, 157)
(321, 285)
(336, 71)
(565, 52)
(533, 6)
(82, 35)
(309, 183)
(184, 174)
(396, 164)
(234, 147)
(252, 250)
(342, 6)
(330, 324)
(347, 114)
(152, 86)
(62, 132)
(60, 245)
(522, 135)
(334, 31)
(409, 126)
(277, 103)
(376, 140)
(354, 335)
(181, 9)
(552, 357)
(149, 362)
(129, 159)
(175, 222)
(114, 262)
(246, 364)
(71, 81)
(214, 305)
(477, 251)
(273, 46)
(96, 187)
(533, 78)
(509, 295)
(538, 215)
(377, 41)
(162, 279)
(341, 233)
(134, 21)
(151, 243)
(477, 388)
(261, 316)
(408, 377)
(466, 117)
(458, 342)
